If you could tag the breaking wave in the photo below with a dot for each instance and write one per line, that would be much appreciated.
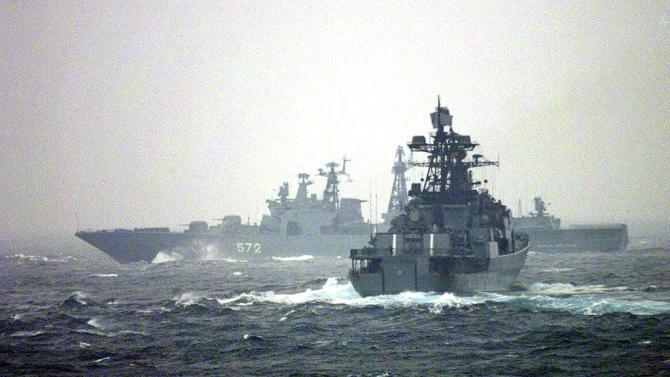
(555, 269)
(289, 259)
(586, 300)
(35, 258)
(78, 299)
(166, 257)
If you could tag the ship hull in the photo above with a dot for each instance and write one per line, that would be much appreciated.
(579, 239)
(133, 246)
(457, 274)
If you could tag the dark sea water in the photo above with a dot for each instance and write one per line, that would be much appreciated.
(67, 309)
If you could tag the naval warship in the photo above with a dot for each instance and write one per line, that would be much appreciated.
(304, 225)
(452, 236)
(546, 234)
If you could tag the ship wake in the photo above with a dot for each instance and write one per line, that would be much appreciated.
(584, 300)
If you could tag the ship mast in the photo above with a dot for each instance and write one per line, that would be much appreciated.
(398, 200)
(448, 176)
(331, 194)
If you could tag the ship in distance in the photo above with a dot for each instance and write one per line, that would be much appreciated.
(303, 225)
(453, 237)
(546, 234)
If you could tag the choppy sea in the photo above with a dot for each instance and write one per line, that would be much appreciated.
(67, 309)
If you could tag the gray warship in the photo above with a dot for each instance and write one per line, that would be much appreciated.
(304, 225)
(452, 237)
(546, 234)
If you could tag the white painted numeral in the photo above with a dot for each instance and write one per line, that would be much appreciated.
(248, 247)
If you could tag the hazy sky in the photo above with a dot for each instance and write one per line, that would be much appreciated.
(157, 113)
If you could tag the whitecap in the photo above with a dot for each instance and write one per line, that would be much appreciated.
(237, 273)
(33, 258)
(104, 275)
(555, 269)
(586, 300)
(166, 257)
(335, 293)
(94, 322)
(285, 317)
(102, 359)
(28, 334)
(564, 288)
(289, 259)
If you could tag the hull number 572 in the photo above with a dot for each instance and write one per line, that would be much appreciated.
(248, 247)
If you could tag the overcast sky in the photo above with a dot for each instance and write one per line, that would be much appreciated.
(157, 113)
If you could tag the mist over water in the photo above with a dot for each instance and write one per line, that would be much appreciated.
(75, 311)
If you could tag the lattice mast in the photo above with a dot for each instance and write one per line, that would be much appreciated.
(399, 199)
(448, 176)
(331, 194)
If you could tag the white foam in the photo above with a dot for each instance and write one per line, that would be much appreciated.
(588, 305)
(333, 292)
(166, 257)
(94, 322)
(102, 359)
(237, 273)
(21, 334)
(563, 288)
(285, 317)
(80, 297)
(105, 275)
(290, 259)
(187, 298)
(587, 299)
(555, 269)
(33, 258)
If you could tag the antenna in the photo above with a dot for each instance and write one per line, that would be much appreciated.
(370, 209)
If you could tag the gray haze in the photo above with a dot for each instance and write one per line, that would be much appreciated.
(157, 113)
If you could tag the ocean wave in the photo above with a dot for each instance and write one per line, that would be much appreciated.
(334, 292)
(555, 269)
(595, 305)
(289, 259)
(35, 258)
(95, 322)
(27, 334)
(104, 275)
(571, 289)
(587, 299)
(78, 299)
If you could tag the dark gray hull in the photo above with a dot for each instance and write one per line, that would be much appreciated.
(413, 273)
(134, 246)
(580, 239)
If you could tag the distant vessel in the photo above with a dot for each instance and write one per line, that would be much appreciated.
(304, 225)
(545, 233)
(452, 238)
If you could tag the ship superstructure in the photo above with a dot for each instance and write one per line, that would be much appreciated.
(452, 236)
(546, 234)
